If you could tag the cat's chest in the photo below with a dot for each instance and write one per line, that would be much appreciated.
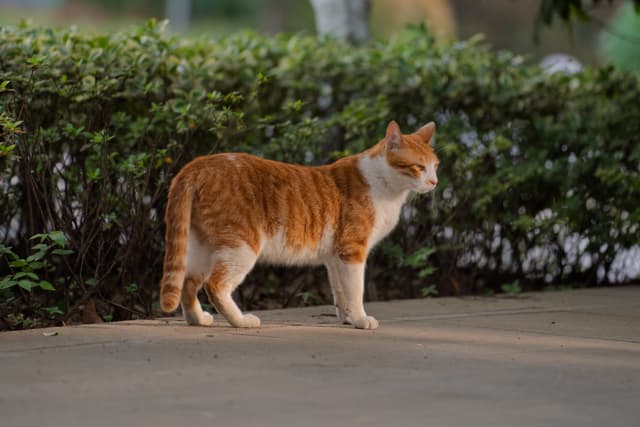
(387, 213)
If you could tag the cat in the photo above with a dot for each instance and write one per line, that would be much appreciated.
(226, 212)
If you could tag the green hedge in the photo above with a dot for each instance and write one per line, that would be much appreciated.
(540, 175)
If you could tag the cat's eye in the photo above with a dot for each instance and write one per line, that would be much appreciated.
(421, 168)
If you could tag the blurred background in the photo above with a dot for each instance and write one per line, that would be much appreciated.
(506, 24)
(540, 173)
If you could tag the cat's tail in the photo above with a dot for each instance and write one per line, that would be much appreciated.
(178, 220)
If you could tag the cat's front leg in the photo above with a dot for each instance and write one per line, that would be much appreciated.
(351, 277)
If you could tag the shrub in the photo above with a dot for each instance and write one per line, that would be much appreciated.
(619, 43)
(540, 176)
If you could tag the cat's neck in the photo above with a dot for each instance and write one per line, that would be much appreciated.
(387, 193)
(384, 182)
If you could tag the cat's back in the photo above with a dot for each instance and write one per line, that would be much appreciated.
(252, 184)
(245, 172)
(229, 164)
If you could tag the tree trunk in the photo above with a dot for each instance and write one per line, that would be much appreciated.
(344, 19)
(178, 12)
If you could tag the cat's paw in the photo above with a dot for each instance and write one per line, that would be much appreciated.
(198, 319)
(206, 319)
(367, 322)
(250, 321)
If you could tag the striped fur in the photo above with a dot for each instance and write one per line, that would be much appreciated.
(226, 212)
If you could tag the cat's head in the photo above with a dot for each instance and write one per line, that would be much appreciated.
(412, 157)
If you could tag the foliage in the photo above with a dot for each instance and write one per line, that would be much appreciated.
(539, 174)
(25, 272)
(569, 11)
(29, 274)
(429, 291)
(621, 43)
(512, 288)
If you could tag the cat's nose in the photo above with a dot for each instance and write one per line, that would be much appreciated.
(432, 181)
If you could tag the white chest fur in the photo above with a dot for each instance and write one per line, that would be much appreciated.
(387, 196)
(387, 214)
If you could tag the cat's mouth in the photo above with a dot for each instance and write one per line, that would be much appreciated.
(425, 189)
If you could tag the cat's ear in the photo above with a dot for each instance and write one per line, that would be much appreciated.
(426, 132)
(393, 136)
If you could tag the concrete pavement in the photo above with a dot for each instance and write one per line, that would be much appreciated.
(546, 359)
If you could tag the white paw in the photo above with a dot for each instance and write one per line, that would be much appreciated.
(206, 319)
(250, 321)
(198, 319)
(367, 322)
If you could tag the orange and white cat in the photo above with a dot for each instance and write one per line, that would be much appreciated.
(227, 212)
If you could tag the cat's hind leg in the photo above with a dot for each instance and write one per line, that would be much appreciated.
(230, 269)
(191, 308)
(338, 293)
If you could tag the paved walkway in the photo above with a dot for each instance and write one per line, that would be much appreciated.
(546, 359)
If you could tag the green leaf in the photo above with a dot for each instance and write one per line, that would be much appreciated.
(512, 288)
(19, 263)
(7, 283)
(429, 291)
(426, 272)
(5, 150)
(132, 288)
(34, 60)
(6, 250)
(27, 285)
(36, 257)
(59, 238)
(47, 286)
(418, 258)
(53, 311)
(62, 251)
(28, 274)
